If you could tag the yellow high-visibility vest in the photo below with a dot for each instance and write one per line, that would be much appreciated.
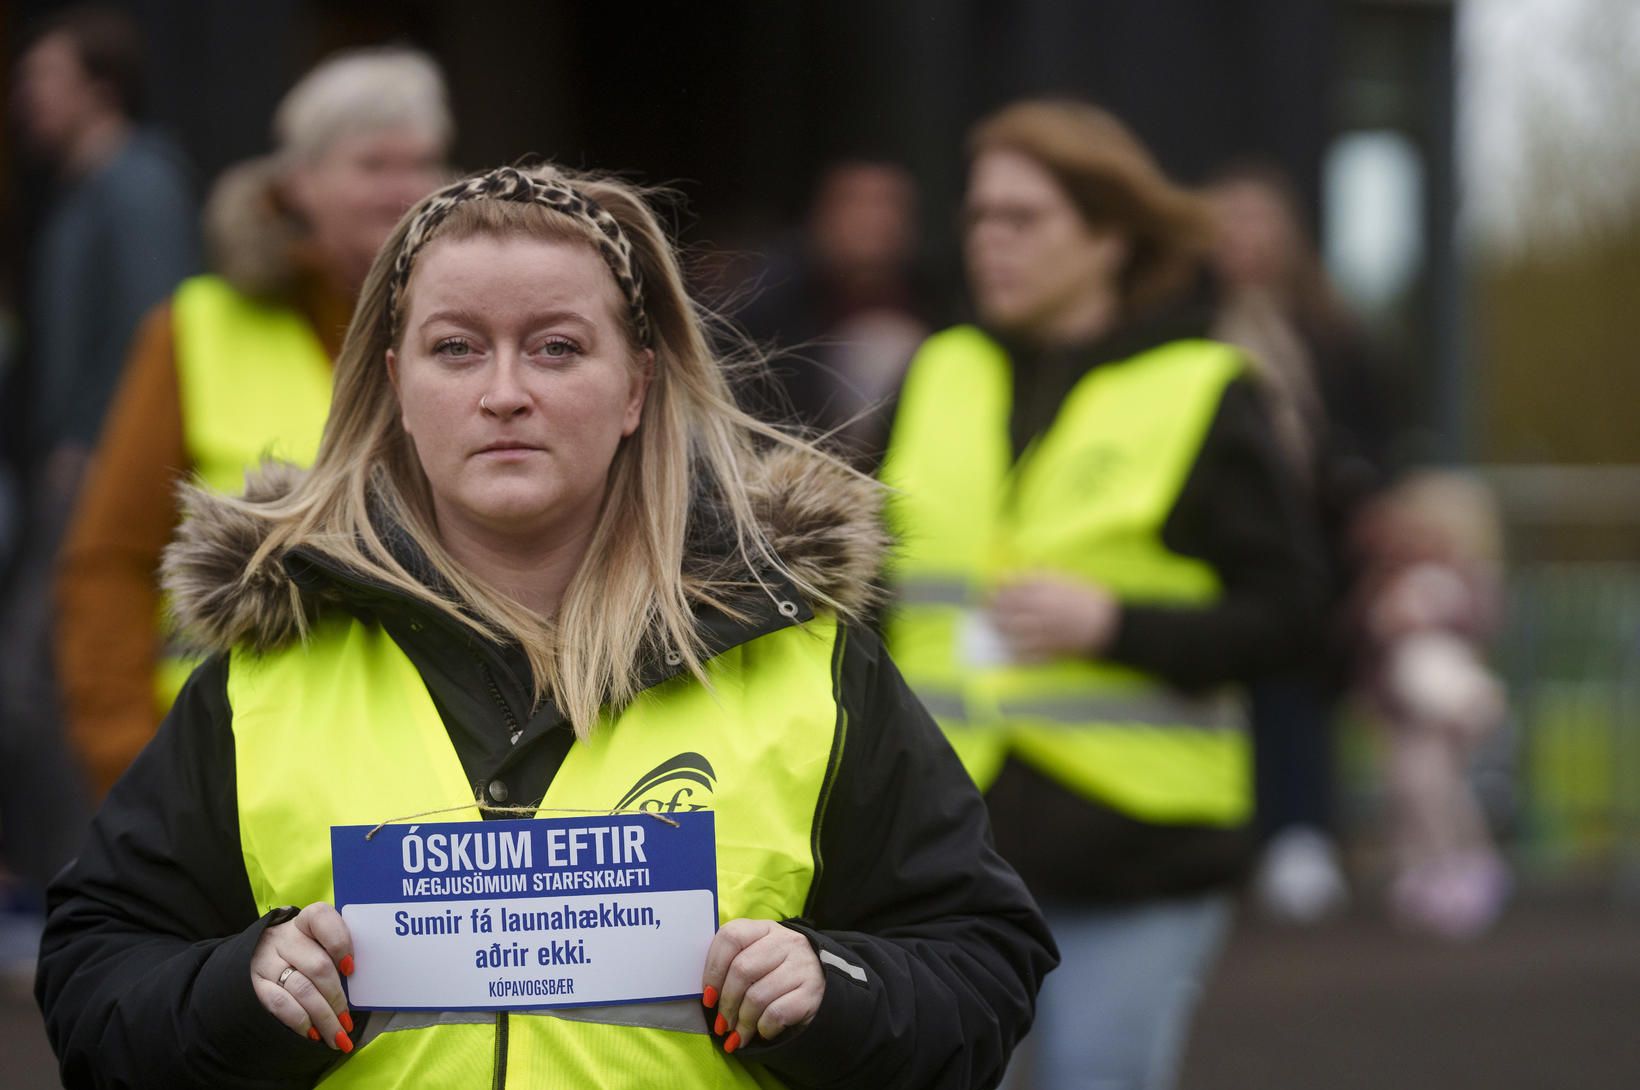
(342, 731)
(254, 382)
(1086, 501)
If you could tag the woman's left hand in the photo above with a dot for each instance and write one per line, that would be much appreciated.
(763, 978)
(1045, 618)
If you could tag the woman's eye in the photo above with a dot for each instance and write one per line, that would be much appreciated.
(453, 347)
(558, 348)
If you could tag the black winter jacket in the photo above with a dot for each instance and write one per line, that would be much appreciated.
(144, 973)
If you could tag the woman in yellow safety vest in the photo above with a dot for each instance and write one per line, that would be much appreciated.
(1098, 544)
(233, 368)
(542, 564)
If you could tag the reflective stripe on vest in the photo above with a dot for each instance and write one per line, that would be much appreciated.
(254, 382)
(1086, 501)
(1151, 707)
(342, 731)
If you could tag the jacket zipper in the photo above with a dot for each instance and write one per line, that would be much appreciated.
(513, 729)
(500, 1082)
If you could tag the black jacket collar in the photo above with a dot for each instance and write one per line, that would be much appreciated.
(755, 614)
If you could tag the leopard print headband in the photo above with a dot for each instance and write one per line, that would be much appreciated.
(511, 184)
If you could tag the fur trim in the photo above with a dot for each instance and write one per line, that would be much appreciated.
(251, 238)
(216, 599)
(825, 524)
(823, 521)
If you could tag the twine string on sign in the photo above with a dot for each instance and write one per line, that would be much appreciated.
(522, 811)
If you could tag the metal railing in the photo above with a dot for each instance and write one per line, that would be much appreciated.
(1571, 655)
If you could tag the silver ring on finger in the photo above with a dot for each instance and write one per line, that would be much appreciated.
(285, 975)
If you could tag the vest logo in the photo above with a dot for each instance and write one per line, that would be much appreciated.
(684, 783)
(1097, 467)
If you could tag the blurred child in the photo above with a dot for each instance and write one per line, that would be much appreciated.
(1429, 601)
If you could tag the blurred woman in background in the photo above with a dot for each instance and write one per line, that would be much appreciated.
(1324, 391)
(234, 368)
(1101, 545)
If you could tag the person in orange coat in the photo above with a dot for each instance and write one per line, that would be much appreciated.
(359, 139)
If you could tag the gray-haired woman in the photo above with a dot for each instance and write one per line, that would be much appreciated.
(542, 562)
(234, 366)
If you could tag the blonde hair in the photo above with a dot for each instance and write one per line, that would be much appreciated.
(633, 595)
(361, 90)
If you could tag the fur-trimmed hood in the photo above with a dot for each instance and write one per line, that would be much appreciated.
(824, 523)
(252, 239)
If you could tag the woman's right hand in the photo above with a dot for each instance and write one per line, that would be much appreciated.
(1047, 617)
(318, 949)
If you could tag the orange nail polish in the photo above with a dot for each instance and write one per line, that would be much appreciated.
(720, 1027)
(708, 998)
(346, 1020)
(313, 1034)
(346, 965)
(732, 1043)
(343, 1043)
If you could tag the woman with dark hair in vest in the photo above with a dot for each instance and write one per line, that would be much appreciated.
(1099, 545)
(542, 564)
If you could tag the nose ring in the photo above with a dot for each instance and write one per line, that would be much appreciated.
(483, 403)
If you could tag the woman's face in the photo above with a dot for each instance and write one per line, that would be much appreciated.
(1031, 256)
(1255, 239)
(517, 384)
(354, 193)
